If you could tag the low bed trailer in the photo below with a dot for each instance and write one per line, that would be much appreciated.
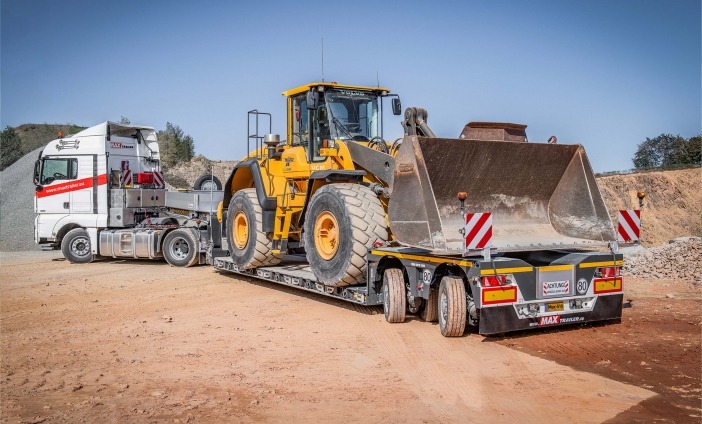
(506, 293)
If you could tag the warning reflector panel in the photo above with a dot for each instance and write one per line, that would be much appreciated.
(629, 226)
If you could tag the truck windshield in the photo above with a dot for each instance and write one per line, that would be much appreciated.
(353, 115)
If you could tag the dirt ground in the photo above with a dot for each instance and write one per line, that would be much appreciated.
(138, 341)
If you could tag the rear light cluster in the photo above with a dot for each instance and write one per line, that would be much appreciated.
(607, 280)
(607, 272)
(494, 280)
(498, 289)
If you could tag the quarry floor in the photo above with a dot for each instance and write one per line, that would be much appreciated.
(137, 341)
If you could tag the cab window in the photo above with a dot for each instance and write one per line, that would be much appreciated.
(55, 169)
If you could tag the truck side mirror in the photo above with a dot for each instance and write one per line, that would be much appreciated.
(37, 168)
(312, 100)
(396, 106)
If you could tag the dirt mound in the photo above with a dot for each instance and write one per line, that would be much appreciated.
(183, 175)
(17, 205)
(673, 204)
(677, 260)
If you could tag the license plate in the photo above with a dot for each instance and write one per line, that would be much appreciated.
(552, 307)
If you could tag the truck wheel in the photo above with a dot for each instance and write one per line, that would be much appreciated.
(430, 312)
(207, 182)
(249, 246)
(343, 221)
(452, 307)
(394, 298)
(180, 248)
(75, 246)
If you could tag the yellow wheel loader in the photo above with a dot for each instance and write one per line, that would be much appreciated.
(335, 188)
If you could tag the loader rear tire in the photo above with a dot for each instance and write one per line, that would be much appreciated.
(430, 312)
(394, 297)
(342, 222)
(249, 246)
(452, 307)
(75, 246)
(180, 248)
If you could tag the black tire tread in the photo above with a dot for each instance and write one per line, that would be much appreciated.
(263, 255)
(66, 249)
(430, 312)
(368, 225)
(193, 247)
(397, 299)
(456, 296)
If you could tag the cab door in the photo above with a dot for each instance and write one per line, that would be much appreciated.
(66, 185)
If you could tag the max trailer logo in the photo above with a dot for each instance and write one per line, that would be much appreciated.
(120, 145)
(557, 319)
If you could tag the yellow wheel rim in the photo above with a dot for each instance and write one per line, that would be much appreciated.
(326, 235)
(241, 230)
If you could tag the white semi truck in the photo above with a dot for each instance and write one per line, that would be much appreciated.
(101, 193)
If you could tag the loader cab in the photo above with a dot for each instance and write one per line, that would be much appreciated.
(330, 111)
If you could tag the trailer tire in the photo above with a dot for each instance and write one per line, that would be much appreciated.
(394, 297)
(249, 246)
(452, 307)
(430, 312)
(76, 248)
(342, 223)
(207, 182)
(181, 248)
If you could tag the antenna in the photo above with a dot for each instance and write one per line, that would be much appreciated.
(322, 59)
(377, 78)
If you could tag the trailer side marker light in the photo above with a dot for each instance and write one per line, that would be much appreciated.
(494, 295)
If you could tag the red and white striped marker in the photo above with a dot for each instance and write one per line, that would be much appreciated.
(629, 225)
(126, 174)
(478, 230)
(158, 179)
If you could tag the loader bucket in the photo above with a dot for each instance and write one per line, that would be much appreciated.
(540, 195)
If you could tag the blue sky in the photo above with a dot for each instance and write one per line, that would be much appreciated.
(605, 74)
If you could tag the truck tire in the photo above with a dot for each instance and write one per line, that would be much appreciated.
(181, 248)
(75, 246)
(207, 182)
(394, 297)
(430, 312)
(343, 221)
(249, 246)
(452, 307)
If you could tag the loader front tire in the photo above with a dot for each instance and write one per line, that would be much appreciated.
(180, 248)
(75, 246)
(249, 246)
(394, 296)
(343, 221)
(452, 307)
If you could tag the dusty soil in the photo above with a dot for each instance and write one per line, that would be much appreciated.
(125, 341)
(672, 207)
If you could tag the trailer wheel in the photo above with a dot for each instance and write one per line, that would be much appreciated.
(343, 221)
(207, 182)
(180, 248)
(75, 246)
(430, 312)
(249, 246)
(452, 307)
(394, 298)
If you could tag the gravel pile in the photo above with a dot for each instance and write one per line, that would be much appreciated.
(678, 259)
(17, 205)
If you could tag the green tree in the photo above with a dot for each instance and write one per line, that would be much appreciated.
(694, 150)
(176, 147)
(663, 151)
(10, 147)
